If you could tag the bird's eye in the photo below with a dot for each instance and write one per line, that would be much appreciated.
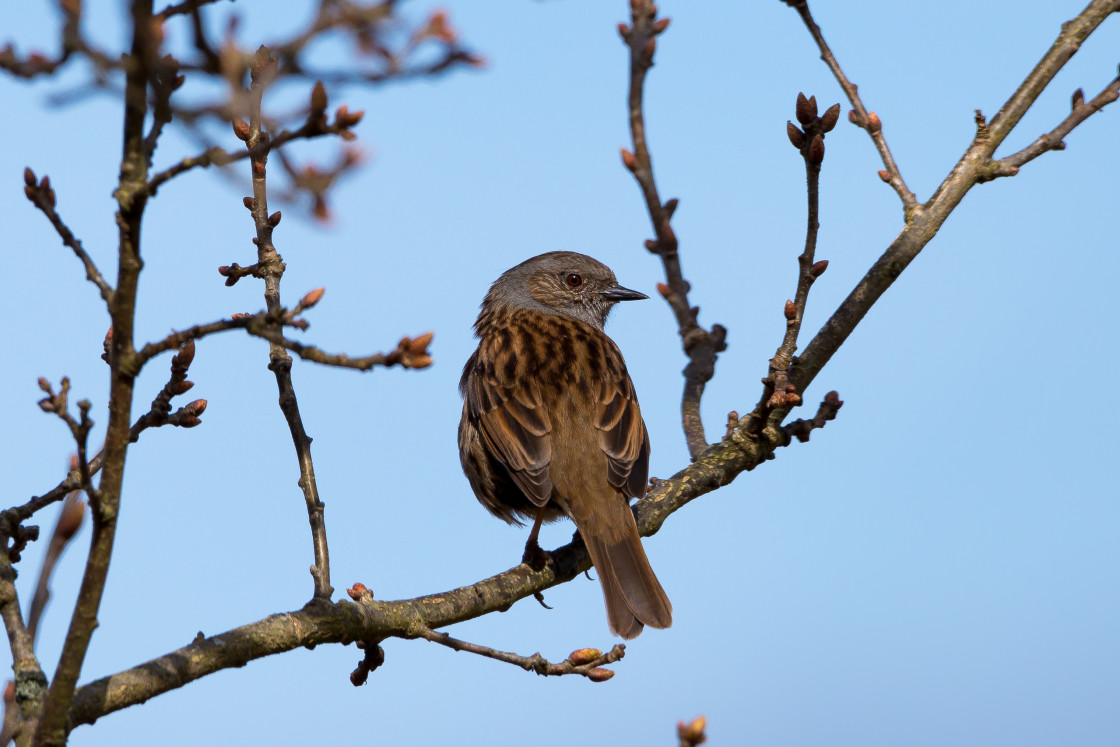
(573, 280)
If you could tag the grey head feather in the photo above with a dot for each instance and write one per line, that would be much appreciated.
(563, 283)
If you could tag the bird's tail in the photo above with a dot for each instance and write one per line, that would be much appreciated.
(633, 594)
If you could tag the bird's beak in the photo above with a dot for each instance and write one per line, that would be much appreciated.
(618, 293)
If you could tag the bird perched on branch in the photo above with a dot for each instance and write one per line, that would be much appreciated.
(551, 424)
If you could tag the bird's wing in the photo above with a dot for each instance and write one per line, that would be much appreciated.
(515, 428)
(622, 434)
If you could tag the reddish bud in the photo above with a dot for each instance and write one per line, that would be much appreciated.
(186, 420)
(70, 520)
(197, 407)
(853, 117)
(249, 203)
(651, 245)
(806, 108)
(241, 129)
(791, 310)
(44, 385)
(318, 98)
(46, 404)
(796, 136)
(359, 593)
(624, 31)
(346, 118)
(830, 118)
(693, 732)
(873, 122)
(647, 55)
(10, 692)
(818, 268)
(816, 150)
(311, 298)
(258, 169)
(181, 387)
(584, 656)
(1078, 99)
(420, 344)
(185, 355)
(240, 316)
(664, 290)
(274, 219)
(660, 25)
(599, 674)
(671, 206)
(29, 177)
(628, 159)
(885, 175)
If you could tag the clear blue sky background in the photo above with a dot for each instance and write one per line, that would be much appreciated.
(938, 566)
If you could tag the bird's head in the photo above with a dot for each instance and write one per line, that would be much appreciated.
(564, 283)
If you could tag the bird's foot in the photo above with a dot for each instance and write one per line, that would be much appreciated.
(535, 557)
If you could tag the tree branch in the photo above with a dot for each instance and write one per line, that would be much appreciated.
(43, 197)
(779, 393)
(975, 166)
(700, 345)
(859, 115)
(271, 268)
(131, 198)
(587, 662)
(1055, 139)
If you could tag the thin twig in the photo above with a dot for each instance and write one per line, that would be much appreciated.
(975, 166)
(826, 411)
(587, 662)
(344, 122)
(779, 392)
(182, 8)
(66, 526)
(1055, 139)
(41, 194)
(271, 266)
(859, 116)
(700, 345)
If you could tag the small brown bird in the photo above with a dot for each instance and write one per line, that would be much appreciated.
(551, 424)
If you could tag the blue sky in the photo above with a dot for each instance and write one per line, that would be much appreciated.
(938, 566)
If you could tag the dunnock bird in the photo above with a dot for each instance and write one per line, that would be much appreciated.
(551, 424)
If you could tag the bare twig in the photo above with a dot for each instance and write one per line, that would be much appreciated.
(587, 662)
(182, 8)
(314, 127)
(975, 166)
(66, 526)
(779, 392)
(859, 115)
(271, 268)
(700, 345)
(826, 411)
(42, 196)
(1055, 139)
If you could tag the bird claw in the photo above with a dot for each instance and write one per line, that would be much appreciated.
(540, 598)
(535, 557)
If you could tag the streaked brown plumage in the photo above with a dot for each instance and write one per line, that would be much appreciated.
(551, 424)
